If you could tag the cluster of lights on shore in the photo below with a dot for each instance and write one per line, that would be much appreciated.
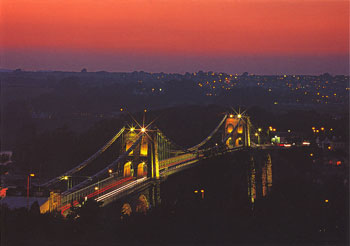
(322, 129)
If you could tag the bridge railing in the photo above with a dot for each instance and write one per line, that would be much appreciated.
(177, 160)
(92, 190)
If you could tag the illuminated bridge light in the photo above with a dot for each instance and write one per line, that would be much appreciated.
(143, 129)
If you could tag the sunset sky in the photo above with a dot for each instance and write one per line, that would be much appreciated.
(258, 36)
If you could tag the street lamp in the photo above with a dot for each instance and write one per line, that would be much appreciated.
(257, 135)
(28, 184)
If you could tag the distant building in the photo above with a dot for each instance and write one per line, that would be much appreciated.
(331, 144)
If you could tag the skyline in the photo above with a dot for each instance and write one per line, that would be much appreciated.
(261, 37)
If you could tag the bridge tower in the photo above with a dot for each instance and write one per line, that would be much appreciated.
(144, 159)
(237, 131)
(154, 156)
(136, 162)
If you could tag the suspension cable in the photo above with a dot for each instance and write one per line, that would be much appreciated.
(87, 161)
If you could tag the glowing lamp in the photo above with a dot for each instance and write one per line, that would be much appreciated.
(110, 170)
(239, 116)
(143, 129)
(132, 129)
(96, 188)
(32, 175)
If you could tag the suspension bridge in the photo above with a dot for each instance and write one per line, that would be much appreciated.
(147, 154)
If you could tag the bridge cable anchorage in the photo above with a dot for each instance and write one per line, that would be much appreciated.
(196, 147)
(233, 131)
(87, 161)
(105, 170)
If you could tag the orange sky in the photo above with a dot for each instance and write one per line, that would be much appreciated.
(176, 27)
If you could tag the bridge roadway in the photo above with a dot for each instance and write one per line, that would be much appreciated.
(113, 187)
